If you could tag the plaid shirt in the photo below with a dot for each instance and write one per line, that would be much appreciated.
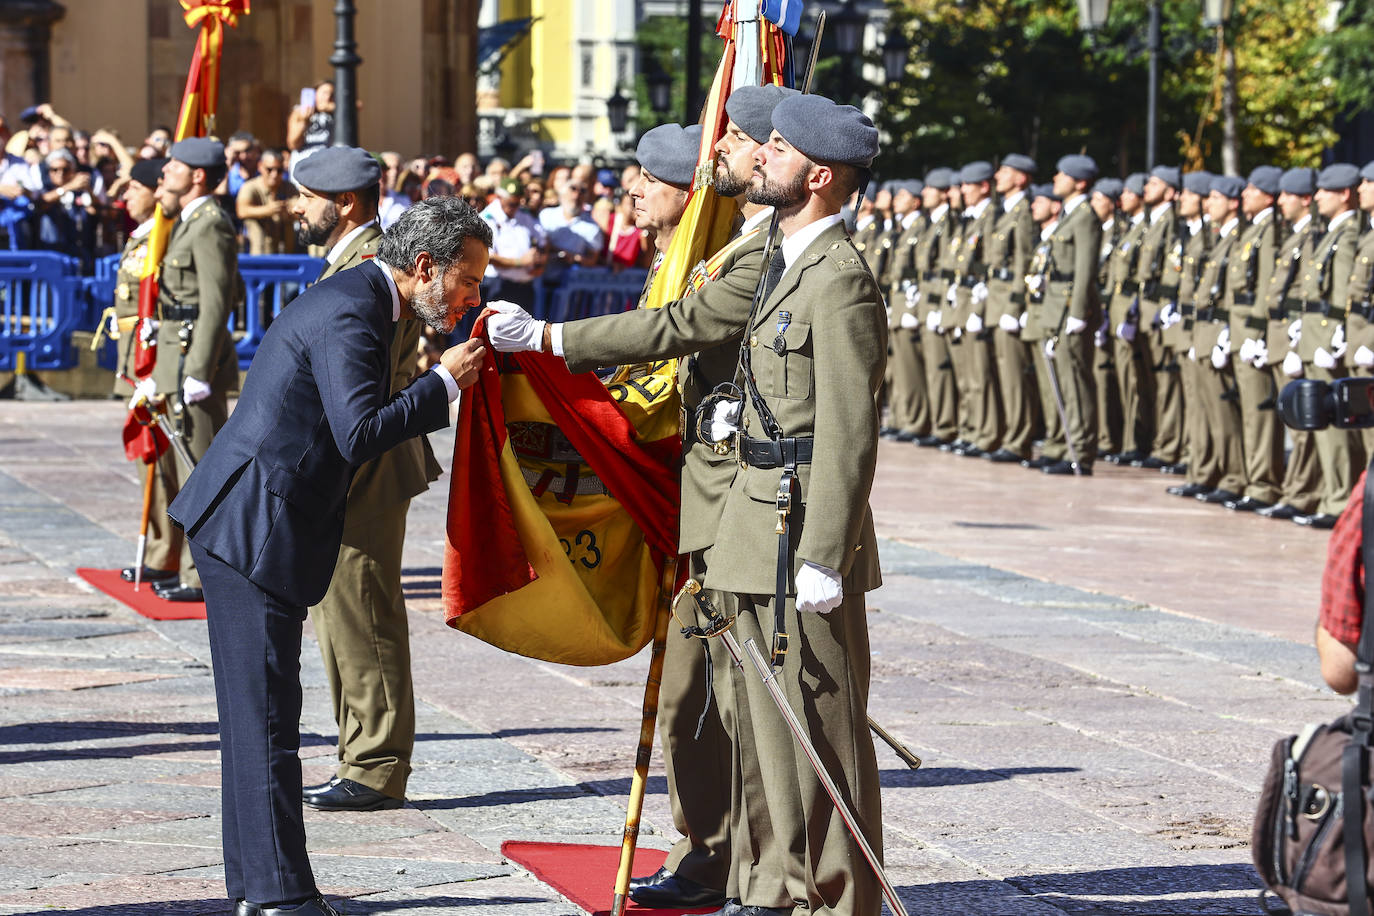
(1343, 578)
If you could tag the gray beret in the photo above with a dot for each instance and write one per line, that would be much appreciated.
(1020, 163)
(751, 107)
(1044, 190)
(826, 132)
(336, 169)
(1367, 173)
(1228, 186)
(1111, 187)
(940, 178)
(147, 171)
(1300, 181)
(909, 185)
(1338, 177)
(669, 152)
(1135, 183)
(1266, 178)
(891, 185)
(1169, 174)
(1199, 182)
(871, 191)
(1079, 168)
(976, 172)
(198, 152)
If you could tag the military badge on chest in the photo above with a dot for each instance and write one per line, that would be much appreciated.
(779, 342)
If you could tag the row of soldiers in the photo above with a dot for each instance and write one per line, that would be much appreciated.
(1148, 322)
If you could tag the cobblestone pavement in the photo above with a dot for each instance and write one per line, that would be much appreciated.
(1093, 673)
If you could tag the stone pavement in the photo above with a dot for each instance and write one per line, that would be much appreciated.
(1092, 671)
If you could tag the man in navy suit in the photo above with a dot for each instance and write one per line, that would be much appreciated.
(264, 512)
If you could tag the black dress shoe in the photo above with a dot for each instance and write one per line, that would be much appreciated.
(904, 437)
(1321, 520)
(1004, 456)
(676, 892)
(763, 911)
(972, 451)
(315, 906)
(642, 880)
(325, 787)
(1280, 511)
(732, 908)
(887, 432)
(181, 593)
(1174, 469)
(1069, 467)
(1149, 462)
(1127, 457)
(931, 441)
(347, 795)
(1246, 504)
(149, 574)
(1188, 490)
(1218, 496)
(956, 445)
(1037, 464)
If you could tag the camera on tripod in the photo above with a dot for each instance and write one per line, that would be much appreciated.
(1346, 403)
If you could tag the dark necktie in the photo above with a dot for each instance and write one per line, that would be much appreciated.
(776, 268)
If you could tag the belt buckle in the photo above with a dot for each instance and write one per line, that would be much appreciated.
(784, 505)
(738, 441)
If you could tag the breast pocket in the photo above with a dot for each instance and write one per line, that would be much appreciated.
(788, 362)
(177, 272)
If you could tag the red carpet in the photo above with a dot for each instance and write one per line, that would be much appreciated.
(143, 600)
(586, 874)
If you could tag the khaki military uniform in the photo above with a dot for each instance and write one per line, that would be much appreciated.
(1037, 279)
(361, 622)
(1248, 275)
(1008, 251)
(908, 408)
(199, 287)
(1158, 285)
(941, 394)
(1133, 379)
(1185, 264)
(1324, 285)
(819, 382)
(980, 419)
(1359, 319)
(1216, 389)
(1104, 363)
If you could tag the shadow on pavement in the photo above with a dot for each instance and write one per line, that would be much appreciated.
(959, 776)
(83, 730)
(496, 799)
(346, 906)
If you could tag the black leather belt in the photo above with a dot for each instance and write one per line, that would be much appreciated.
(776, 453)
(970, 280)
(1322, 307)
(1365, 310)
(974, 274)
(938, 275)
(1187, 310)
(1243, 298)
(1057, 277)
(180, 312)
(1277, 314)
(1164, 292)
(1018, 298)
(1127, 287)
(1001, 273)
(1213, 314)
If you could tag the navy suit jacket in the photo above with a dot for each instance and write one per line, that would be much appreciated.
(268, 497)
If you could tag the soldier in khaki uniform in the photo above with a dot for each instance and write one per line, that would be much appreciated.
(1302, 476)
(1247, 277)
(198, 288)
(1072, 310)
(1103, 198)
(1211, 348)
(163, 553)
(1008, 253)
(907, 404)
(1158, 289)
(1184, 266)
(361, 623)
(932, 284)
(1321, 343)
(1123, 320)
(980, 419)
(1045, 210)
(1359, 321)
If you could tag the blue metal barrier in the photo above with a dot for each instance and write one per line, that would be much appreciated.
(270, 282)
(42, 302)
(99, 291)
(585, 292)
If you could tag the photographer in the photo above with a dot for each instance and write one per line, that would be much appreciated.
(1342, 604)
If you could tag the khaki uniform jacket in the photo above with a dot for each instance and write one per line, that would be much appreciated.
(1358, 295)
(405, 471)
(823, 384)
(929, 255)
(1121, 269)
(1210, 296)
(970, 263)
(199, 270)
(709, 323)
(869, 242)
(1185, 261)
(1247, 275)
(901, 264)
(126, 308)
(1008, 250)
(1280, 299)
(1071, 287)
(1324, 285)
(1156, 286)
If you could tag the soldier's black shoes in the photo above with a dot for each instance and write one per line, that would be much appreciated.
(179, 592)
(970, 451)
(957, 445)
(1218, 496)
(1004, 456)
(149, 574)
(1125, 457)
(315, 906)
(1246, 504)
(1188, 490)
(323, 787)
(1149, 462)
(1037, 464)
(1069, 467)
(656, 877)
(1279, 510)
(1174, 469)
(347, 795)
(672, 891)
(931, 441)
(733, 908)
(888, 432)
(1316, 520)
(904, 437)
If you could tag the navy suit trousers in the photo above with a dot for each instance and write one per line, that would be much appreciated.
(255, 644)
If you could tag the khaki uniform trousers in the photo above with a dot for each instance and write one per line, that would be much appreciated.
(1108, 399)
(1052, 446)
(978, 390)
(697, 768)
(1197, 435)
(791, 846)
(1261, 431)
(940, 391)
(907, 410)
(200, 422)
(1302, 479)
(365, 641)
(1073, 363)
(1225, 465)
(1135, 397)
(1163, 364)
(1016, 385)
(164, 539)
(1339, 452)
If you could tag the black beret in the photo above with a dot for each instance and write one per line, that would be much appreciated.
(669, 153)
(1338, 177)
(147, 172)
(336, 169)
(1266, 178)
(751, 107)
(940, 178)
(976, 172)
(1135, 183)
(824, 131)
(198, 152)
(1229, 186)
(1020, 162)
(1169, 174)
(1300, 181)
(1077, 167)
(1199, 182)
(1109, 186)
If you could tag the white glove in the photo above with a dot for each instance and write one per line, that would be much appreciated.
(1169, 315)
(819, 589)
(952, 295)
(147, 331)
(1323, 360)
(1338, 342)
(1100, 337)
(1219, 356)
(1049, 346)
(1247, 349)
(909, 322)
(956, 333)
(979, 293)
(974, 324)
(1192, 353)
(913, 295)
(143, 392)
(1126, 331)
(1364, 357)
(1292, 364)
(1009, 323)
(724, 420)
(1224, 339)
(512, 329)
(1294, 332)
(193, 390)
(933, 321)
(1074, 325)
(1261, 357)
(1025, 316)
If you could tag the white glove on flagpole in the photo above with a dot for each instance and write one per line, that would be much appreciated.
(819, 589)
(147, 331)
(1292, 364)
(724, 420)
(143, 392)
(512, 329)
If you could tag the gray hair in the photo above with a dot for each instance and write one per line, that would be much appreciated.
(437, 225)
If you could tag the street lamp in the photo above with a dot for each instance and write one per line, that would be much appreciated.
(1092, 14)
(660, 87)
(849, 29)
(1216, 13)
(345, 60)
(618, 111)
(896, 55)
